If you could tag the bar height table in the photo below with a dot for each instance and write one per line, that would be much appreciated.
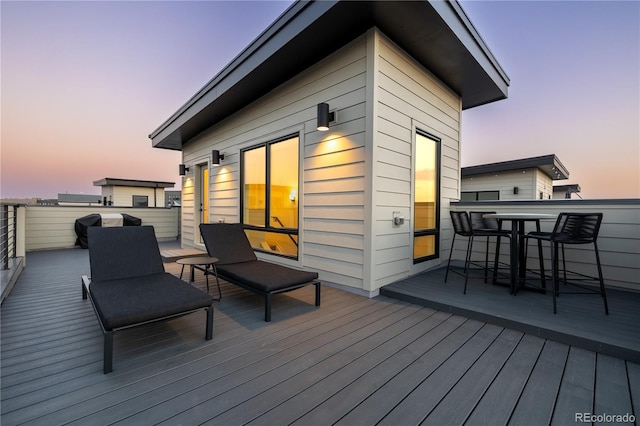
(517, 255)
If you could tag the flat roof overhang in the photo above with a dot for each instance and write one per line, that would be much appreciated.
(549, 164)
(437, 34)
(133, 182)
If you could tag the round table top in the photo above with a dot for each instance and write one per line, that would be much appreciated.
(520, 216)
(198, 260)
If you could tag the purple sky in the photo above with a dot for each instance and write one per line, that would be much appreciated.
(85, 83)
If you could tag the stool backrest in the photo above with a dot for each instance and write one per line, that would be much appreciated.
(478, 221)
(577, 228)
(461, 223)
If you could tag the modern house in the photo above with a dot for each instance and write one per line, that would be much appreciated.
(522, 179)
(364, 202)
(172, 198)
(133, 193)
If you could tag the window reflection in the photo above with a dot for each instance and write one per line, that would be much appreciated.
(270, 195)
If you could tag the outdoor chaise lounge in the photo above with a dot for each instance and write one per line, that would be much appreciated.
(129, 286)
(239, 265)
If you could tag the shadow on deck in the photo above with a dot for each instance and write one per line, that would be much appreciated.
(580, 320)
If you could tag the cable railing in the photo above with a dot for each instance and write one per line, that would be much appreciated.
(8, 233)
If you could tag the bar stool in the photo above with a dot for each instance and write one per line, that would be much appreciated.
(462, 226)
(573, 228)
(491, 226)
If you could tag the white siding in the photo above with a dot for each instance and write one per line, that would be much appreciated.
(122, 196)
(352, 176)
(407, 97)
(332, 183)
(524, 180)
(544, 186)
(530, 183)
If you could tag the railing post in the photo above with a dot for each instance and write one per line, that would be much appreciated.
(19, 230)
(4, 239)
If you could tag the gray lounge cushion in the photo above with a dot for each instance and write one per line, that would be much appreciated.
(128, 281)
(266, 276)
(123, 252)
(128, 301)
(227, 242)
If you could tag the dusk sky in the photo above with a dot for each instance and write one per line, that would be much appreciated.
(85, 83)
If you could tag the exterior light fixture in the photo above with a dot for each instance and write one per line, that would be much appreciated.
(182, 169)
(216, 157)
(325, 117)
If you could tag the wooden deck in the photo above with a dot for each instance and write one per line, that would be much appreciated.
(351, 361)
(580, 321)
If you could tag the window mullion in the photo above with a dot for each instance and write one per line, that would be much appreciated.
(267, 189)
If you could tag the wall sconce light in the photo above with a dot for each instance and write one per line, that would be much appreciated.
(515, 190)
(182, 169)
(325, 117)
(216, 157)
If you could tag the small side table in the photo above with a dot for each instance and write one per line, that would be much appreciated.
(202, 263)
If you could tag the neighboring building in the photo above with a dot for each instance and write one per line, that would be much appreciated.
(566, 191)
(524, 179)
(47, 202)
(132, 193)
(363, 203)
(172, 198)
(79, 200)
(25, 201)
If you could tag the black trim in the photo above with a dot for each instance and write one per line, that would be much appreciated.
(267, 216)
(435, 231)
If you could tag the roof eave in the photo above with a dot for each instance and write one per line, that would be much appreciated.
(471, 69)
(548, 164)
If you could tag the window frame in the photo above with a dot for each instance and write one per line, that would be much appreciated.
(140, 197)
(436, 230)
(477, 194)
(268, 228)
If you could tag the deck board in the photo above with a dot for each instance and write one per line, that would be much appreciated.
(350, 361)
(580, 320)
(577, 388)
(501, 397)
(537, 400)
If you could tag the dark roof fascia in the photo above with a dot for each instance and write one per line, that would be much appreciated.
(259, 51)
(438, 34)
(549, 164)
(133, 182)
(573, 187)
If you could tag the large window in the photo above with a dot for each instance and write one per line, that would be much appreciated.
(426, 205)
(480, 196)
(270, 195)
